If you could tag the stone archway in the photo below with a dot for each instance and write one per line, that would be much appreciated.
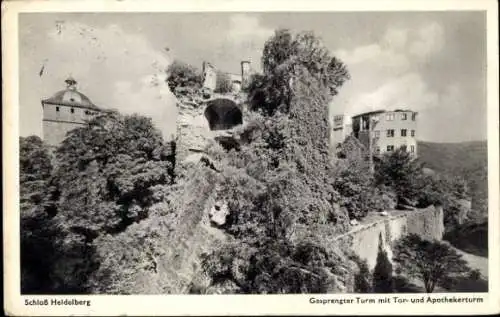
(223, 114)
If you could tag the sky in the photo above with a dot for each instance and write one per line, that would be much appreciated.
(430, 62)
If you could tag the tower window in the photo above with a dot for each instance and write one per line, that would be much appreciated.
(389, 117)
(403, 148)
(390, 148)
(376, 133)
(412, 132)
(403, 132)
(57, 109)
(404, 116)
(412, 148)
(72, 110)
(390, 133)
(413, 116)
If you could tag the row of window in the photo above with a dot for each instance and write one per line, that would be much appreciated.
(72, 110)
(403, 116)
(390, 133)
(390, 148)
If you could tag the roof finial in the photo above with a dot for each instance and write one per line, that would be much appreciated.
(71, 83)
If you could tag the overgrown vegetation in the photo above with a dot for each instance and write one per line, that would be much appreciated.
(107, 176)
(98, 216)
(282, 178)
(183, 75)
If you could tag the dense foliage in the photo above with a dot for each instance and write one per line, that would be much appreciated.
(183, 75)
(37, 233)
(285, 57)
(281, 177)
(107, 176)
(432, 262)
(356, 184)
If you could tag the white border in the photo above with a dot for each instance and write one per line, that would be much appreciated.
(230, 304)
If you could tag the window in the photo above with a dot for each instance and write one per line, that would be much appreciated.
(413, 116)
(377, 149)
(412, 148)
(390, 148)
(404, 116)
(403, 148)
(389, 117)
(376, 133)
(57, 109)
(72, 110)
(403, 132)
(390, 133)
(412, 132)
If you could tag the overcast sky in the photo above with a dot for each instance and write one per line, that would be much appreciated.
(433, 63)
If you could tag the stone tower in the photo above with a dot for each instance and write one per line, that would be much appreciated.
(209, 76)
(65, 111)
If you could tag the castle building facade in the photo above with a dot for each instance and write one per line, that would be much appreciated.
(386, 131)
(64, 111)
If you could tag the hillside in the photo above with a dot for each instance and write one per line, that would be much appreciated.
(468, 160)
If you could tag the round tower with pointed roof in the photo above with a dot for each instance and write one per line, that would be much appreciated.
(65, 111)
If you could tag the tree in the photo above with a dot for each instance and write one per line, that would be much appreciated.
(108, 176)
(286, 56)
(35, 167)
(382, 273)
(355, 183)
(181, 74)
(37, 230)
(399, 171)
(432, 262)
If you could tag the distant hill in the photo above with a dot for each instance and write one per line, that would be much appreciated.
(466, 159)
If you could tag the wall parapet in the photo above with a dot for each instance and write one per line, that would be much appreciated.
(363, 239)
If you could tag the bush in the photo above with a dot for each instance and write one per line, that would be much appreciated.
(181, 74)
(363, 278)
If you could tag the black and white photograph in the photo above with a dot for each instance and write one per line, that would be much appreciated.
(254, 152)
